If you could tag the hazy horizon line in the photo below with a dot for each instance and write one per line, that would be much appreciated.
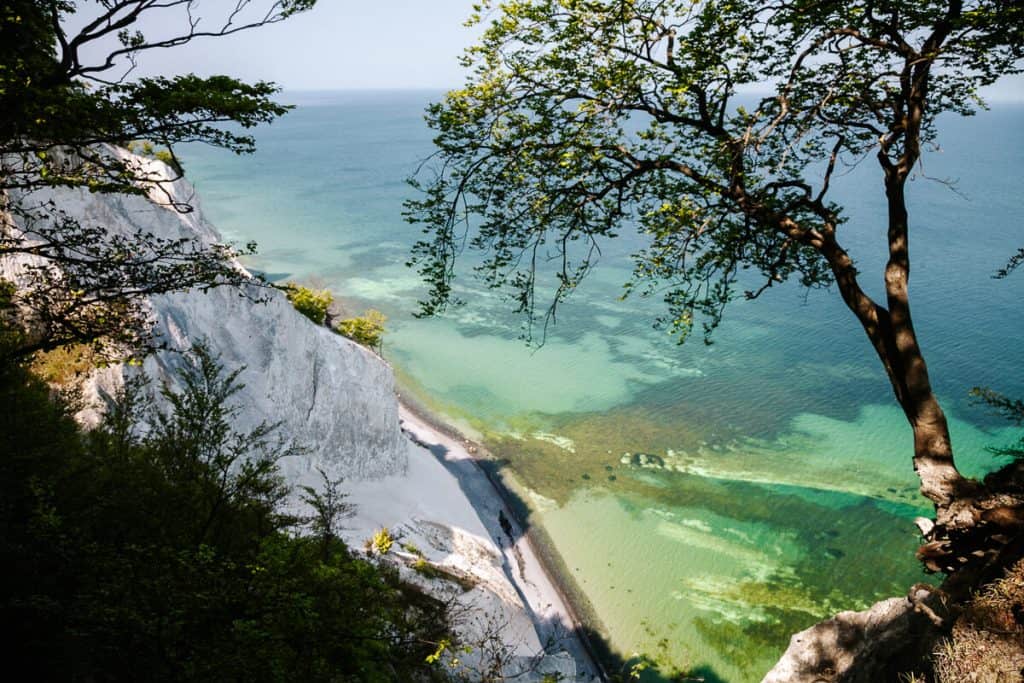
(1001, 98)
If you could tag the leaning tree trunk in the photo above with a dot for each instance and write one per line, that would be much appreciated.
(905, 365)
(977, 526)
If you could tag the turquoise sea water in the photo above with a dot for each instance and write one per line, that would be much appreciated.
(705, 501)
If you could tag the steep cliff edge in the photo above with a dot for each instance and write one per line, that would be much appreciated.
(871, 646)
(329, 395)
(335, 399)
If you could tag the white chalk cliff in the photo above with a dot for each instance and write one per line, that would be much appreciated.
(329, 395)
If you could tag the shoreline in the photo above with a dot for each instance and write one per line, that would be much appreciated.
(548, 602)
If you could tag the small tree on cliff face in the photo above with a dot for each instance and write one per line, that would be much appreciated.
(583, 117)
(66, 105)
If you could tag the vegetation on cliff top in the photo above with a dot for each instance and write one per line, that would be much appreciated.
(170, 556)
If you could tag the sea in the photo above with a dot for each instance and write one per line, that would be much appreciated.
(701, 503)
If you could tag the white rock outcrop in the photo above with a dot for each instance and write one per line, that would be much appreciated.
(337, 400)
(330, 395)
(871, 646)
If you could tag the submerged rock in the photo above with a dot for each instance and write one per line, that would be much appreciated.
(645, 460)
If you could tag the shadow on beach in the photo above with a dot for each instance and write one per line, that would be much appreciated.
(508, 519)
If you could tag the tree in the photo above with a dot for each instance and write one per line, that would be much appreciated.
(330, 508)
(582, 118)
(138, 551)
(67, 109)
(197, 443)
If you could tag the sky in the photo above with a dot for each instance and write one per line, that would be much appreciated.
(342, 44)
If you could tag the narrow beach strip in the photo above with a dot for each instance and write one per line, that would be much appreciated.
(547, 603)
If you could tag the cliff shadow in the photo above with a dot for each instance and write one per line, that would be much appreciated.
(509, 521)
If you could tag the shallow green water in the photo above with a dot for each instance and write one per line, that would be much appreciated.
(781, 489)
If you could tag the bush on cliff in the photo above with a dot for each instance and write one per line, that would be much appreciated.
(367, 329)
(312, 303)
(169, 556)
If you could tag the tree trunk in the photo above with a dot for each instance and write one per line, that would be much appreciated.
(933, 455)
(895, 343)
(977, 525)
(891, 332)
(933, 450)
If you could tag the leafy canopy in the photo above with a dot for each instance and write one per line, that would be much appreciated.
(68, 106)
(69, 89)
(584, 118)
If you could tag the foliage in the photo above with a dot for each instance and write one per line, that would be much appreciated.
(425, 569)
(167, 157)
(311, 303)
(64, 365)
(146, 148)
(1011, 409)
(582, 120)
(64, 85)
(382, 541)
(1012, 264)
(66, 108)
(367, 329)
(165, 554)
(87, 286)
(435, 656)
(329, 507)
(195, 435)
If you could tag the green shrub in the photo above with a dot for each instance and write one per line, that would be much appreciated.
(382, 541)
(425, 569)
(169, 554)
(367, 329)
(63, 365)
(147, 149)
(311, 303)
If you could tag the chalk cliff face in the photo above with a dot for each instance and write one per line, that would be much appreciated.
(329, 394)
(337, 400)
